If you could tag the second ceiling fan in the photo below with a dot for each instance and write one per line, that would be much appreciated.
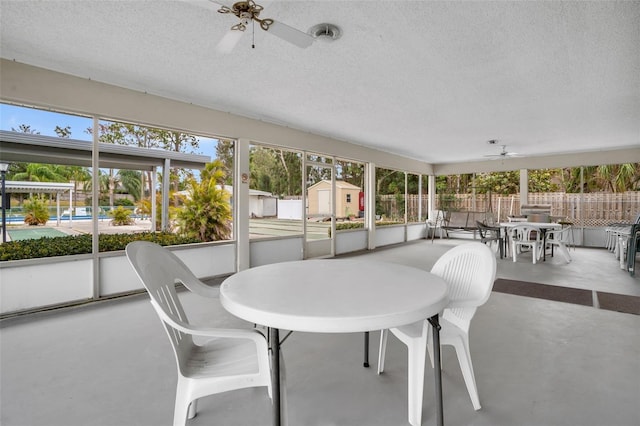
(249, 12)
(502, 154)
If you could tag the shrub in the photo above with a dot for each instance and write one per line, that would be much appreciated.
(123, 202)
(121, 216)
(340, 226)
(81, 244)
(144, 208)
(36, 211)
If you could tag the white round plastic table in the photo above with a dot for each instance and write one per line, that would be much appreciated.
(334, 296)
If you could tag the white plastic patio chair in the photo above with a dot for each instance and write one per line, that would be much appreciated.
(435, 222)
(229, 360)
(469, 270)
(525, 236)
(559, 239)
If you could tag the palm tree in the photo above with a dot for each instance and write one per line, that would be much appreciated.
(619, 177)
(206, 213)
(609, 177)
(36, 172)
(131, 181)
(78, 175)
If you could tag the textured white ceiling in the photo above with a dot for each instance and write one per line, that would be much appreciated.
(428, 80)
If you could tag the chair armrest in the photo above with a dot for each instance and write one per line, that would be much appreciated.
(250, 334)
(196, 286)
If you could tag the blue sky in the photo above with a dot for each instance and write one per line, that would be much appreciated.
(44, 122)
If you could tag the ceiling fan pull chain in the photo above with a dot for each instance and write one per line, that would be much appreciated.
(253, 34)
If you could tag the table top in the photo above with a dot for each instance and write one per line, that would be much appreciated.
(545, 225)
(334, 295)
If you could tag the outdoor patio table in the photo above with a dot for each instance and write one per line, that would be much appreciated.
(334, 296)
(542, 226)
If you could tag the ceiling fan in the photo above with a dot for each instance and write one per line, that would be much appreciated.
(503, 154)
(249, 12)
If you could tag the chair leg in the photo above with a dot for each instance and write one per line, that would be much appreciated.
(461, 345)
(565, 252)
(417, 354)
(193, 409)
(181, 410)
(185, 406)
(383, 350)
(430, 346)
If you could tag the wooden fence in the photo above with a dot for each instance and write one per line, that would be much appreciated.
(588, 210)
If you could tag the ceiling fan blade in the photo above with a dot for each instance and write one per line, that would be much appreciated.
(502, 155)
(290, 34)
(229, 41)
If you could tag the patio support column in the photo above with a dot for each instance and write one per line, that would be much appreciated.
(524, 187)
(419, 198)
(333, 206)
(58, 209)
(406, 204)
(165, 194)
(432, 195)
(241, 211)
(154, 209)
(95, 206)
(70, 208)
(370, 199)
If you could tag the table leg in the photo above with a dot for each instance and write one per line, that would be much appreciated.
(366, 349)
(437, 368)
(274, 351)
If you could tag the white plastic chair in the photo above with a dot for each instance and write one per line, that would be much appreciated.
(229, 360)
(559, 239)
(435, 223)
(522, 236)
(469, 270)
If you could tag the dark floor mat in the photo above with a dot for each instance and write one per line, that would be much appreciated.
(544, 291)
(619, 302)
(609, 301)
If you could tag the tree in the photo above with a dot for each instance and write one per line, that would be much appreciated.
(225, 153)
(609, 178)
(277, 171)
(63, 132)
(25, 128)
(36, 172)
(206, 213)
(352, 173)
(149, 137)
(131, 182)
(78, 175)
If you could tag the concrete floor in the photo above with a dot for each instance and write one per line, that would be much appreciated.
(537, 362)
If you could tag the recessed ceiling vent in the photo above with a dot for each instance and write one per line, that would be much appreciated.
(326, 32)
